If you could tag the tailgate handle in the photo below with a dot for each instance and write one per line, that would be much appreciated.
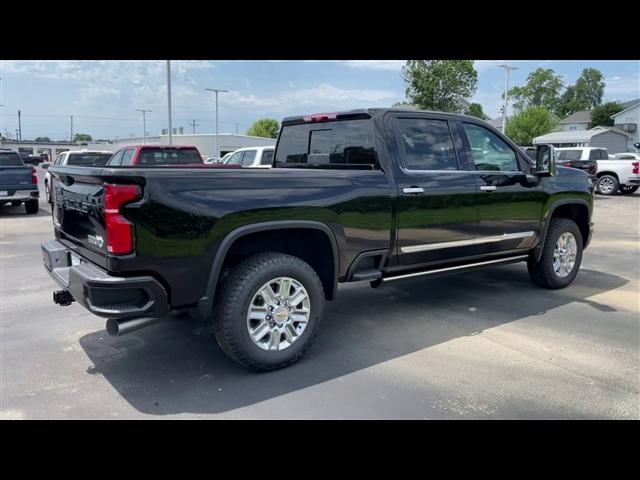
(413, 190)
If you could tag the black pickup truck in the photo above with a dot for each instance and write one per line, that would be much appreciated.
(372, 195)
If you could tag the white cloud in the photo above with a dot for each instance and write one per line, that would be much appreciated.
(376, 64)
(628, 86)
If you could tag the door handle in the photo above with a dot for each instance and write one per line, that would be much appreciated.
(488, 188)
(413, 190)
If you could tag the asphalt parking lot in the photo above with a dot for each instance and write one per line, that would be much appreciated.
(484, 345)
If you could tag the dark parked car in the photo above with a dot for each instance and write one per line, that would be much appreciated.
(18, 182)
(374, 195)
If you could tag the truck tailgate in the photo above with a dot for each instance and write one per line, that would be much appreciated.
(79, 210)
(15, 178)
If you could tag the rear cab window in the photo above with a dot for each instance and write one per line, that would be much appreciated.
(345, 143)
(267, 157)
(10, 159)
(168, 156)
(569, 155)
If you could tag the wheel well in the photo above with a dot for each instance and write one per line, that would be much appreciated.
(613, 174)
(311, 245)
(578, 213)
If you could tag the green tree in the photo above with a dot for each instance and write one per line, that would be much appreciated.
(81, 137)
(439, 84)
(601, 115)
(42, 139)
(586, 94)
(265, 127)
(529, 123)
(541, 90)
(475, 110)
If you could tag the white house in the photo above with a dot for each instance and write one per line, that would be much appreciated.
(628, 120)
(576, 121)
(614, 140)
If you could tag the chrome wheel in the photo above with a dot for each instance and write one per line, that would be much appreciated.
(278, 314)
(606, 185)
(564, 254)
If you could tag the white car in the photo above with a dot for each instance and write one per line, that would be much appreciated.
(618, 173)
(80, 158)
(252, 157)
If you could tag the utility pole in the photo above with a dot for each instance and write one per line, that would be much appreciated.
(144, 123)
(71, 128)
(216, 91)
(169, 99)
(194, 125)
(19, 128)
(508, 68)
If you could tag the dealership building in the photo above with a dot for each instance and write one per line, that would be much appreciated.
(205, 143)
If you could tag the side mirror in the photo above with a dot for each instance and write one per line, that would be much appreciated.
(545, 161)
(45, 165)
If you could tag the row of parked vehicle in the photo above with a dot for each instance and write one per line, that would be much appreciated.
(610, 173)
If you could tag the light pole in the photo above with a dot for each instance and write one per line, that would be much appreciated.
(508, 68)
(217, 142)
(169, 99)
(144, 123)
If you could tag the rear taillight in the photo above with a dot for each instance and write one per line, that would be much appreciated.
(636, 167)
(567, 164)
(34, 176)
(118, 230)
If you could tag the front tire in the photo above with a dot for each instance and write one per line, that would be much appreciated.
(268, 310)
(561, 256)
(31, 206)
(607, 185)
(628, 189)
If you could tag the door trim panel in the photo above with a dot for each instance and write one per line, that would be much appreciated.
(465, 243)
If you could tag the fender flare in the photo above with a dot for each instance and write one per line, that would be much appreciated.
(544, 227)
(205, 304)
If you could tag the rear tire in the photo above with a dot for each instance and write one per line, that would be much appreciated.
(47, 193)
(239, 297)
(32, 206)
(628, 190)
(550, 271)
(607, 184)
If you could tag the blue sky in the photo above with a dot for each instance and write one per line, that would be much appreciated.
(103, 95)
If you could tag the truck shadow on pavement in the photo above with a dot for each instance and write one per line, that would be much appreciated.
(12, 212)
(176, 366)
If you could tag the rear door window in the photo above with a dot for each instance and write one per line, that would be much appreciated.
(347, 142)
(267, 157)
(426, 144)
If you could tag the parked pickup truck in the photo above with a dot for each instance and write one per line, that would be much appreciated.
(374, 195)
(18, 182)
(618, 174)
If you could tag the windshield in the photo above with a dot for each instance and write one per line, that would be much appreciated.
(10, 159)
(88, 159)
